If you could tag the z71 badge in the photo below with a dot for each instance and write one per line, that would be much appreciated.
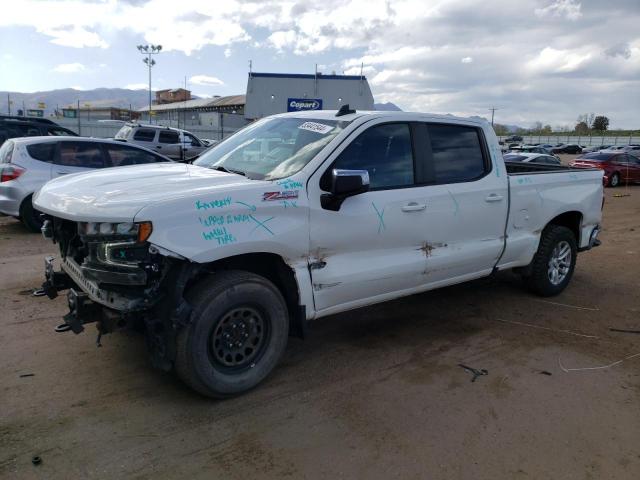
(284, 195)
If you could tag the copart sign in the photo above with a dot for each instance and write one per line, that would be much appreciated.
(299, 104)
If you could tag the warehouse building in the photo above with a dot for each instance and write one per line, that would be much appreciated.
(198, 111)
(271, 93)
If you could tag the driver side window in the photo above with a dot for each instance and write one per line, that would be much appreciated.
(385, 151)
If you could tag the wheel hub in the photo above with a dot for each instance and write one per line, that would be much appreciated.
(559, 263)
(238, 337)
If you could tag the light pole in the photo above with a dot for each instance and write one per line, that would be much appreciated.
(149, 50)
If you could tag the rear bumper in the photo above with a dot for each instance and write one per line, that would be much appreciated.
(594, 241)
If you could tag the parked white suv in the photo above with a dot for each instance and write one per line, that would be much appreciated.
(176, 144)
(299, 216)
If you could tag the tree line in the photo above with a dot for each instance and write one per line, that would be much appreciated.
(585, 124)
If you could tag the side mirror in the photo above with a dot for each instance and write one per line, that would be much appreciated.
(344, 184)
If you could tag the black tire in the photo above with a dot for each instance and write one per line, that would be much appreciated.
(539, 280)
(227, 298)
(29, 216)
(614, 181)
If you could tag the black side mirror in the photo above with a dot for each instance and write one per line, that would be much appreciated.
(344, 184)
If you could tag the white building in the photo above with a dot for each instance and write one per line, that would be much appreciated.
(271, 93)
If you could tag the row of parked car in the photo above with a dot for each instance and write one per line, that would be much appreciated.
(36, 150)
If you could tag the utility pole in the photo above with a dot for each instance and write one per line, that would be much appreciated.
(9, 102)
(149, 50)
(493, 111)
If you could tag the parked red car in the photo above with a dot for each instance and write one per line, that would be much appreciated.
(619, 167)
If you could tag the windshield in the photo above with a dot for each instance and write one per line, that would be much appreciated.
(272, 148)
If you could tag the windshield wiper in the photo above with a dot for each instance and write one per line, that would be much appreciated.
(220, 168)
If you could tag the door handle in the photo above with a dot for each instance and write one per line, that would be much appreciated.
(494, 197)
(414, 207)
(61, 173)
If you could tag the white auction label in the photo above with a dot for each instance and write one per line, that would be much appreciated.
(316, 127)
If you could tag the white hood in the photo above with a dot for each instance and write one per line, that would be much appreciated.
(117, 194)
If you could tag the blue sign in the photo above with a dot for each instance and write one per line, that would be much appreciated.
(299, 104)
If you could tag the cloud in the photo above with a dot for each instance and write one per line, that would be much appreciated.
(206, 80)
(619, 50)
(558, 61)
(227, 52)
(569, 9)
(466, 60)
(69, 68)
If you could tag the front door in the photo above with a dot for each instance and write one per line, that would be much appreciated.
(373, 245)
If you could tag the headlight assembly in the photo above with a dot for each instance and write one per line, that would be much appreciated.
(140, 231)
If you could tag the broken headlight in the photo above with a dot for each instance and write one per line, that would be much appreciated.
(140, 231)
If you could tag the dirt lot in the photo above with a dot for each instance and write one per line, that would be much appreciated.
(375, 393)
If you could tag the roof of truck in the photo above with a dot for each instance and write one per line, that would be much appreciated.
(331, 115)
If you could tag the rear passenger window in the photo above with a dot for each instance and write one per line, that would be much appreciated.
(42, 151)
(121, 156)
(80, 154)
(144, 135)
(169, 136)
(385, 152)
(457, 153)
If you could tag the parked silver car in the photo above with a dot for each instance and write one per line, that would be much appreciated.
(176, 144)
(26, 164)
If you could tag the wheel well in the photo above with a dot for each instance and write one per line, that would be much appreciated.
(273, 268)
(571, 220)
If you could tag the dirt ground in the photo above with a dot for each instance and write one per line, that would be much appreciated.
(375, 393)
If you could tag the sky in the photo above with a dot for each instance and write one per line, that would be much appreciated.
(533, 60)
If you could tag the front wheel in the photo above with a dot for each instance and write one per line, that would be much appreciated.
(554, 262)
(614, 181)
(238, 333)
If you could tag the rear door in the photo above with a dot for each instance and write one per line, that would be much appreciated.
(76, 157)
(169, 144)
(467, 204)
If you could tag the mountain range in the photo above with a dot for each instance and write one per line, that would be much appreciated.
(69, 97)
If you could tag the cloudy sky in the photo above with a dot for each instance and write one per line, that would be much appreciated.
(546, 60)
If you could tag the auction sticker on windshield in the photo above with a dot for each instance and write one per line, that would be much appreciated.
(316, 127)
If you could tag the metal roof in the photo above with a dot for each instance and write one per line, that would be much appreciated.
(319, 76)
(228, 101)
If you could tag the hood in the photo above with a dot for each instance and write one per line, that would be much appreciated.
(117, 194)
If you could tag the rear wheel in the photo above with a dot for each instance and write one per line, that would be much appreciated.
(554, 262)
(237, 334)
(29, 216)
(614, 181)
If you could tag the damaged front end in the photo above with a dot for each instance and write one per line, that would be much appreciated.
(116, 278)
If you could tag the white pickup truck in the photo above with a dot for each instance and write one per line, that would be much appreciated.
(299, 216)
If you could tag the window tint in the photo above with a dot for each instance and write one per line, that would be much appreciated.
(169, 136)
(385, 152)
(121, 155)
(457, 153)
(144, 135)
(42, 151)
(80, 154)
